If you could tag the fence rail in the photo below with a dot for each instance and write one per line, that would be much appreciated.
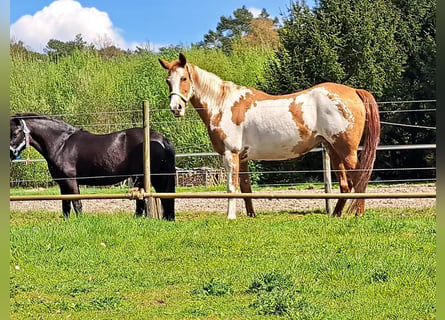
(219, 195)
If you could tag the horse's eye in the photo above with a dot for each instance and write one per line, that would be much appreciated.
(183, 78)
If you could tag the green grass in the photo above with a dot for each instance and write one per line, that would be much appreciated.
(285, 266)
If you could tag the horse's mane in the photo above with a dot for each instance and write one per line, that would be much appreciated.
(210, 83)
(35, 116)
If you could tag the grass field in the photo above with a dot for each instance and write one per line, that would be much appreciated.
(276, 266)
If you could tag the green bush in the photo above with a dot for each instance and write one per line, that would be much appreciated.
(215, 287)
(277, 295)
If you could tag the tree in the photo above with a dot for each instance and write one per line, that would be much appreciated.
(347, 41)
(263, 34)
(242, 25)
(56, 49)
(18, 49)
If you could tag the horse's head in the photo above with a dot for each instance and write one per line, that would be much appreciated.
(180, 84)
(18, 132)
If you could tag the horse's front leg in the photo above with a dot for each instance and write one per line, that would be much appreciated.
(70, 187)
(231, 160)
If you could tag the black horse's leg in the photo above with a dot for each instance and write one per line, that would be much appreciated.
(66, 204)
(140, 204)
(77, 205)
(166, 183)
(70, 187)
(140, 208)
(66, 208)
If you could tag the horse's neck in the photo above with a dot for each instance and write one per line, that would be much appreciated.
(212, 93)
(48, 138)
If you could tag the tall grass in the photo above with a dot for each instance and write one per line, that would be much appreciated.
(380, 266)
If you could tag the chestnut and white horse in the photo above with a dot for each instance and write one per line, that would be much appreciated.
(247, 124)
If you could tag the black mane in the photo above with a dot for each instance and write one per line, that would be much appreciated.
(57, 122)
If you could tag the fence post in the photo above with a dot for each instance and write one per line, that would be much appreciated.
(327, 178)
(150, 202)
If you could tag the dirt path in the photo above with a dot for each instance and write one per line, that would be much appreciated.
(220, 205)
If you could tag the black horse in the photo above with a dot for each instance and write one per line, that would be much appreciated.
(77, 157)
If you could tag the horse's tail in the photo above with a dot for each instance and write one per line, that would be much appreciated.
(367, 156)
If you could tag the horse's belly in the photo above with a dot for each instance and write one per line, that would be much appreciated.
(276, 148)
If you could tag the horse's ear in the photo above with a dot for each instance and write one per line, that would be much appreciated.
(182, 59)
(15, 121)
(164, 63)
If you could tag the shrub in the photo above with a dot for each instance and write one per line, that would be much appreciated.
(215, 287)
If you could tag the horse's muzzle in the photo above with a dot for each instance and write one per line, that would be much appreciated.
(178, 112)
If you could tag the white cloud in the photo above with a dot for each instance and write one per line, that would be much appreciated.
(63, 20)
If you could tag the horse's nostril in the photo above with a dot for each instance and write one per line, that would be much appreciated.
(180, 107)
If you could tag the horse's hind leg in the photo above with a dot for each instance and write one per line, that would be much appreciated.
(140, 208)
(77, 205)
(245, 187)
(344, 188)
(66, 208)
(70, 187)
(343, 166)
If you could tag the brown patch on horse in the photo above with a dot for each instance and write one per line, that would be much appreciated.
(240, 108)
(297, 116)
(216, 120)
(201, 109)
(224, 92)
(217, 137)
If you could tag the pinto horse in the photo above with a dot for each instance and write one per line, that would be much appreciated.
(77, 157)
(247, 124)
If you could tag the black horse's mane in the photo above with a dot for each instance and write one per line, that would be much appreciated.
(30, 115)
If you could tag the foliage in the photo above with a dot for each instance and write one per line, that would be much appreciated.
(351, 42)
(56, 49)
(256, 32)
(214, 287)
(270, 281)
(379, 266)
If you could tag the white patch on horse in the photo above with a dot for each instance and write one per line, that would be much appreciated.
(321, 113)
(269, 130)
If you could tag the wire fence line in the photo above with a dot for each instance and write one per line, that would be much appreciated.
(157, 109)
(207, 154)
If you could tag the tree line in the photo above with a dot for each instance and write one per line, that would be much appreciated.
(386, 47)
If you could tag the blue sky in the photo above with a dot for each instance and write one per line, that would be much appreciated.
(126, 23)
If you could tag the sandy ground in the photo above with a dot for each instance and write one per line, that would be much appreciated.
(220, 205)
